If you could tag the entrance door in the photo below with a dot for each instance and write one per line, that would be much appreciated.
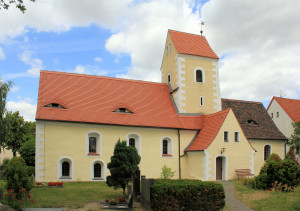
(219, 168)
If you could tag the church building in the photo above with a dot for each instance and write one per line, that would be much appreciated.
(182, 122)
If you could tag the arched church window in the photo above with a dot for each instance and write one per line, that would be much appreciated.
(199, 76)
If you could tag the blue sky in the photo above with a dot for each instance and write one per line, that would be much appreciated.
(258, 46)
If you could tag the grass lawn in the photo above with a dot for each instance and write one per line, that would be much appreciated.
(268, 200)
(72, 195)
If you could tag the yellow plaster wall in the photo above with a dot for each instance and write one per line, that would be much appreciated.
(193, 90)
(69, 140)
(169, 64)
(238, 154)
(5, 153)
(276, 147)
(193, 165)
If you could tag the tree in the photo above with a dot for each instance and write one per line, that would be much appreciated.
(16, 177)
(294, 140)
(15, 131)
(5, 4)
(29, 128)
(27, 152)
(4, 89)
(123, 165)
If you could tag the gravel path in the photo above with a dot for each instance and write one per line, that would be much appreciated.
(231, 201)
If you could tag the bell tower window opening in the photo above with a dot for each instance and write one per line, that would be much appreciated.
(199, 76)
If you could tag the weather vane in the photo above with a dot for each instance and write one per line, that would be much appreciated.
(202, 24)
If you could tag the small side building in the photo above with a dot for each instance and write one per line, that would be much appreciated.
(258, 128)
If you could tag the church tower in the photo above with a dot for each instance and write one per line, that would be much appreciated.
(190, 67)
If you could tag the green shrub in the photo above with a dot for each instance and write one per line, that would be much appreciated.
(16, 177)
(4, 163)
(27, 152)
(166, 172)
(30, 170)
(186, 195)
(274, 170)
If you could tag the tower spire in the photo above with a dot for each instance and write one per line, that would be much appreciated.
(202, 24)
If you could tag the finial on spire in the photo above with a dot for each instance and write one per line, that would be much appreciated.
(202, 24)
(282, 93)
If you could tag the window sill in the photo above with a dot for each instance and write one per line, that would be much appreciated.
(65, 177)
(167, 155)
(98, 178)
(93, 154)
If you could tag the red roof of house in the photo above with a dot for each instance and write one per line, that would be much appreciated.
(192, 44)
(93, 99)
(211, 127)
(290, 106)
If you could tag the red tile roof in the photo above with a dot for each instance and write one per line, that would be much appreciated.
(290, 106)
(192, 44)
(92, 99)
(212, 124)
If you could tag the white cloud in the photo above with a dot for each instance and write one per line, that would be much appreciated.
(2, 55)
(80, 69)
(26, 109)
(15, 89)
(36, 64)
(260, 46)
(90, 70)
(98, 59)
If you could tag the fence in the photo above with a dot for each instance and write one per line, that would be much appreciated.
(146, 191)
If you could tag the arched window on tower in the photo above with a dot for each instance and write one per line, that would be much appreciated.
(199, 76)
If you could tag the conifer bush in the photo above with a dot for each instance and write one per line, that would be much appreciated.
(16, 176)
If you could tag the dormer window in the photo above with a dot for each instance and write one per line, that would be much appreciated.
(54, 105)
(251, 122)
(122, 110)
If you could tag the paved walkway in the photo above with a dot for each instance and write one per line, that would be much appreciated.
(231, 202)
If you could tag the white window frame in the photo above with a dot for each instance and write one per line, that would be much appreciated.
(103, 170)
(59, 168)
(238, 136)
(98, 143)
(138, 142)
(170, 147)
(226, 141)
(195, 74)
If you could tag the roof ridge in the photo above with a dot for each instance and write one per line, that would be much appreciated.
(105, 77)
(218, 113)
(248, 101)
(187, 33)
(285, 98)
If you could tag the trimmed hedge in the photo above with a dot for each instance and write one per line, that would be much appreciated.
(185, 194)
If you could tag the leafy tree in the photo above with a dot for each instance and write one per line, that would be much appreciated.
(15, 131)
(4, 89)
(294, 140)
(5, 4)
(123, 165)
(29, 128)
(27, 152)
(16, 177)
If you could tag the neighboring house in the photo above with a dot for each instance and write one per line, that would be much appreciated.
(284, 113)
(178, 123)
(5, 153)
(258, 128)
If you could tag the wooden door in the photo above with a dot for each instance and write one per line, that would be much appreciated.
(219, 168)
